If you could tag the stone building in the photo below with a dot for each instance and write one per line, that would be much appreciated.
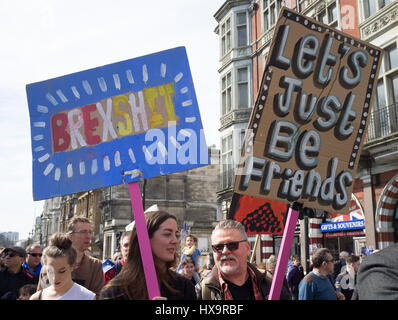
(49, 220)
(84, 204)
(245, 29)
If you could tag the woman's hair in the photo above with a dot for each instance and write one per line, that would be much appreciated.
(187, 259)
(60, 246)
(131, 277)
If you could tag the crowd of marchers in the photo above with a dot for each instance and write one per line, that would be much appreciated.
(65, 269)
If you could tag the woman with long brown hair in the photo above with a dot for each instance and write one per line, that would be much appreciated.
(130, 283)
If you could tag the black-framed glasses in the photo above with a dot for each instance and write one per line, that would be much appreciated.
(35, 254)
(231, 246)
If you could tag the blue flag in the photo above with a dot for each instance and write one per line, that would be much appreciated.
(107, 265)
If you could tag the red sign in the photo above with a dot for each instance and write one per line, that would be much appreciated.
(349, 17)
(355, 233)
(258, 215)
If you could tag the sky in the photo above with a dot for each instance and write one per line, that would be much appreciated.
(44, 39)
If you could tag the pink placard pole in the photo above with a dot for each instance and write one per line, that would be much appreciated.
(143, 241)
(284, 252)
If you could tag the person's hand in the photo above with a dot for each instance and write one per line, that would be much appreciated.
(159, 298)
(340, 296)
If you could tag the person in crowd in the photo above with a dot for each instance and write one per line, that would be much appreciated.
(13, 276)
(340, 265)
(130, 283)
(26, 291)
(87, 270)
(316, 284)
(233, 277)
(378, 275)
(346, 281)
(124, 250)
(262, 266)
(117, 256)
(60, 258)
(2, 258)
(294, 275)
(32, 262)
(188, 270)
(204, 271)
(270, 265)
(190, 250)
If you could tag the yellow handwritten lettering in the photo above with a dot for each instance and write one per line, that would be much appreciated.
(166, 91)
(127, 129)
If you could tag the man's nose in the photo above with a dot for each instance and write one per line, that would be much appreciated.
(225, 249)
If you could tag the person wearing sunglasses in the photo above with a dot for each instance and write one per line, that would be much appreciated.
(233, 277)
(32, 261)
(13, 276)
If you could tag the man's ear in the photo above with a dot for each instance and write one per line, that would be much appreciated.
(248, 248)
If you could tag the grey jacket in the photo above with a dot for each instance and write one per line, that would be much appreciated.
(378, 275)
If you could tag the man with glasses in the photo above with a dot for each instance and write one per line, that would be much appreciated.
(232, 277)
(32, 262)
(13, 276)
(88, 270)
(316, 284)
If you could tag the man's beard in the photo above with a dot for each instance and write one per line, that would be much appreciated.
(228, 269)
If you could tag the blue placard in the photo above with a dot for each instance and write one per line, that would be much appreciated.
(343, 225)
(106, 126)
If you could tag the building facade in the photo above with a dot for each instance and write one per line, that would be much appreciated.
(245, 30)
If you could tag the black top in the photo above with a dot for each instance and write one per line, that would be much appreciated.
(184, 286)
(11, 282)
(243, 292)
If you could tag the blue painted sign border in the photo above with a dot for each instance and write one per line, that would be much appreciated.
(178, 146)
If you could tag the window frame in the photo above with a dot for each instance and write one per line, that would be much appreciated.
(324, 15)
(225, 36)
(269, 13)
(239, 26)
(239, 83)
(227, 89)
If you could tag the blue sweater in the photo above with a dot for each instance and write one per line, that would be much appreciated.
(315, 286)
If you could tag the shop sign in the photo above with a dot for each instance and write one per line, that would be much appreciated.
(344, 225)
(355, 233)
